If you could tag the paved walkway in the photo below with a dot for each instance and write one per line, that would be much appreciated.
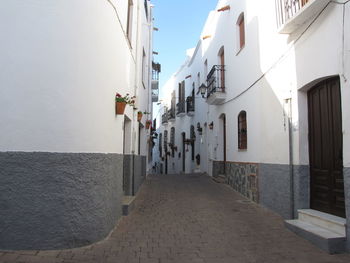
(190, 219)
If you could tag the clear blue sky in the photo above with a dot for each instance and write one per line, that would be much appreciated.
(180, 24)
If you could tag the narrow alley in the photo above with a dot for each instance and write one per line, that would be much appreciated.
(190, 218)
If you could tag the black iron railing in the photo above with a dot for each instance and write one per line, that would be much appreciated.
(171, 113)
(190, 104)
(156, 68)
(180, 107)
(286, 9)
(165, 118)
(216, 80)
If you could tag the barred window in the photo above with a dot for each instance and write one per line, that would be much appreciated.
(242, 130)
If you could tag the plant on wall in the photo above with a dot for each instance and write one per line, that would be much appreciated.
(122, 101)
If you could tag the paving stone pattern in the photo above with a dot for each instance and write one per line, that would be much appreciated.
(184, 219)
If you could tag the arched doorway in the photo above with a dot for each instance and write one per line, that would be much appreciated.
(222, 131)
(326, 147)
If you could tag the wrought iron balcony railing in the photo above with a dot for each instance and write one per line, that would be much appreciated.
(287, 9)
(165, 118)
(171, 114)
(180, 107)
(190, 104)
(216, 80)
(156, 68)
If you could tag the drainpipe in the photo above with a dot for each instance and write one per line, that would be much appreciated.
(133, 175)
(291, 168)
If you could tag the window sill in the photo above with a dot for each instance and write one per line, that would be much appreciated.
(240, 50)
(242, 150)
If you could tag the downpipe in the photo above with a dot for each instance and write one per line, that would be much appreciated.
(291, 161)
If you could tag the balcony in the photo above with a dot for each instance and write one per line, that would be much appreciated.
(190, 105)
(165, 118)
(180, 109)
(291, 14)
(216, 85)
(155, 81)
(155, 90)
(171, 115)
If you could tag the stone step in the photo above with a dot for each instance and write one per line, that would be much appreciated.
(128, 204)
(327, 221)
(323, 238)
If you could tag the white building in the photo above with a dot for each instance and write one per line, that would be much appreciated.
(275, 120)
(66, 158)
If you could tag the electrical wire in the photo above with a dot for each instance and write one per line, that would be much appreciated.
(284, 54)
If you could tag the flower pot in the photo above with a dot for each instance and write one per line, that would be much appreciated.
(148, 124)
(139, 116)
(119, 107)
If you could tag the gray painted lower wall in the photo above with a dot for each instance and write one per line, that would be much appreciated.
(347, 204)
(134, 173)
(301, 187)
(274, 188)
(58, 200)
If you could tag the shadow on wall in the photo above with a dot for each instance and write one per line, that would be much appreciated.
(270, 181)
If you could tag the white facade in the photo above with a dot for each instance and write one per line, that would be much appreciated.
(62, 63)
(269, 78)
(64, 151)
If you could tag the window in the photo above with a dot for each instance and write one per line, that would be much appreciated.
(241, 32)
(172, 141)
(181, 106)
(221, 68)
(144, 72)
(160, 145)
(242, 130)
(193, 138)
(129, 20)
(206, 69)
(146, 8)
(198, 79)
(165, 141)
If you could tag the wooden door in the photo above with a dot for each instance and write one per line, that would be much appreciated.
(326, 148)
(224, 141)
(183, 152)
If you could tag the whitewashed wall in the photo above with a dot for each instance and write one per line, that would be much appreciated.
(271, 68)
(61, 65)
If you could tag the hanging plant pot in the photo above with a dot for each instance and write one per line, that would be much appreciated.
(148, 124)
(119, 108)
(139, 116)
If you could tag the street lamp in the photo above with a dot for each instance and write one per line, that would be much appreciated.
(203, 89)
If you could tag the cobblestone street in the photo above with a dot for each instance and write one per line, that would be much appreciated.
(190, 219)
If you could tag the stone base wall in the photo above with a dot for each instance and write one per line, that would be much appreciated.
(134, 173)
(243, 177)
(268, 184)
(347, 204)
(58, 200)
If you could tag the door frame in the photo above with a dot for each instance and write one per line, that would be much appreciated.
(331, 184)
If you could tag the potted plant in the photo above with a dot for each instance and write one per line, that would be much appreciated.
(139, 115)
(148, 124)
(122, 101)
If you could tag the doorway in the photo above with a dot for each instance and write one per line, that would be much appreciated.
(223, 140)
(326, 148)
(183, 152)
